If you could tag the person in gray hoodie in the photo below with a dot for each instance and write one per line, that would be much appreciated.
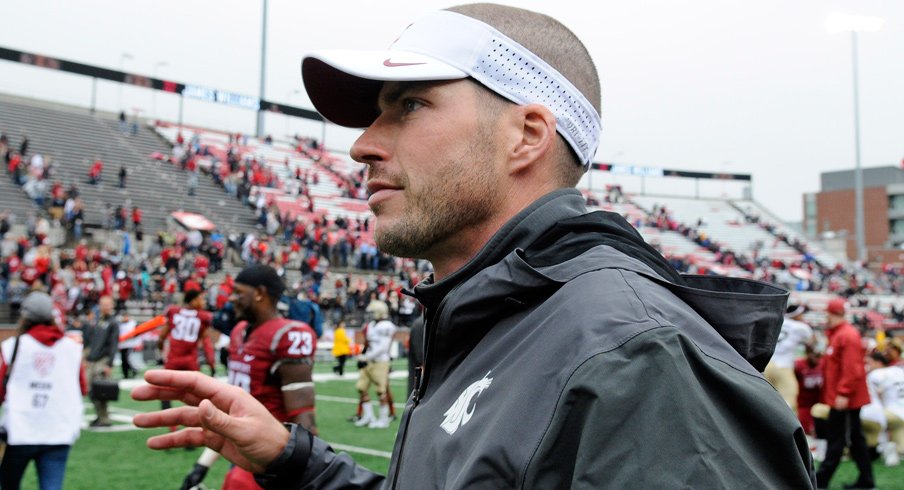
(560, 350)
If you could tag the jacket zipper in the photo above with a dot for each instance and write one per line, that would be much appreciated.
(420, 382)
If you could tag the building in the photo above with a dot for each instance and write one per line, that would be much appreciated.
(831, 212)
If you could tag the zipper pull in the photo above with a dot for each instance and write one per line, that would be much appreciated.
(416, 395)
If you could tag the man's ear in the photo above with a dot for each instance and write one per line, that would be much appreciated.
(536, 126)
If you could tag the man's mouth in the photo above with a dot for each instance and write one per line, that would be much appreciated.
(378, 191)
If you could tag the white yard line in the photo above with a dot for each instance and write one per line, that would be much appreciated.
(361, 450)
(128, 384)
(352, 401)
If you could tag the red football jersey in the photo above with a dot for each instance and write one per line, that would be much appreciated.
(255, 357)
(187, 326)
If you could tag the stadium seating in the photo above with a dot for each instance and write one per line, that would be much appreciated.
(73, 138)
(754, 209)
(326, 191)
(723, 223)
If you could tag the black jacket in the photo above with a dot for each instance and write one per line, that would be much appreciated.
(567, 354)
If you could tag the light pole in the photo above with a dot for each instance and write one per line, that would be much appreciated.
(122, 63)
(259, 129)
(159, 64)
(856, 23)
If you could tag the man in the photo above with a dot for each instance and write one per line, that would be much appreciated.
(270, 357)
(126, 325)
(546, 326)
(845, 392)
(187, 327)
(373, 365)
(780, 370)
(101, 338)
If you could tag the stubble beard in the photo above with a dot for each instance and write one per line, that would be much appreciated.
(460, 198)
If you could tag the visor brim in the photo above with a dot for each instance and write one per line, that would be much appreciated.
(344, 85)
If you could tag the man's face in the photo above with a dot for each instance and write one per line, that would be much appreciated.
(198, 302)
(243, 302)
(432, 166)
(106, 306)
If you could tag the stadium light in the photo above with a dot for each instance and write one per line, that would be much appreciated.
(836, 23)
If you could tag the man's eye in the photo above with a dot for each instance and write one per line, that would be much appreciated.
(411, 105)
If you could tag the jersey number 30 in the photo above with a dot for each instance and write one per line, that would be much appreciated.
(186, 328)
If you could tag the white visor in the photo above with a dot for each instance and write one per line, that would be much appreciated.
(344, 84)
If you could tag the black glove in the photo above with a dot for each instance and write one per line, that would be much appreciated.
(213, 371)
(194, 478)
(362, 364)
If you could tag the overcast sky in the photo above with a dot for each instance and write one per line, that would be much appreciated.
(737, 86)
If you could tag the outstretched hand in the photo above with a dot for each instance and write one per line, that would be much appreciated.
(222, 417)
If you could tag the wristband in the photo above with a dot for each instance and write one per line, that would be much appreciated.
(292, 462)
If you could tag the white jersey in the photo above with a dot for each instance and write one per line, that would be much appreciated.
(125, 328)
(379, 340)
(887, 387)
(793, 335)
(43, 397)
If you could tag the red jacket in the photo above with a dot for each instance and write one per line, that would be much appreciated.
(845, 371)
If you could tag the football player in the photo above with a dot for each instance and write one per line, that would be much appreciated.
(271, 357)
(373, 366)
(186, 327)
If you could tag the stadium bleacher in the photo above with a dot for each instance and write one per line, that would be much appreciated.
(73, 138)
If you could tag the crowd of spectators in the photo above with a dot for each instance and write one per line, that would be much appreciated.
(316, 245)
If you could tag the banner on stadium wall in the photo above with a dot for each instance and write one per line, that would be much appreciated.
(664, 172)
(186, 90)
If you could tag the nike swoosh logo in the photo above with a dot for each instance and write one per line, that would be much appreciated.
(389, 63)
(248, 358)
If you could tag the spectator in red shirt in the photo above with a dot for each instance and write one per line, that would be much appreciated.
(136, 217)
(192, 283)
(845, 391)
(124, 286)
(96, 172)
(201, 264)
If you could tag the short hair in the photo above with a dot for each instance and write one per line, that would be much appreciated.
(879, 357)
(556, 45)
(260, 275)
(190, 295)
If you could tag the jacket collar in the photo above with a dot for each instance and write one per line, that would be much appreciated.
(502, 279)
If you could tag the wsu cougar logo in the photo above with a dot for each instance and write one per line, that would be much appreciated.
(459, 413)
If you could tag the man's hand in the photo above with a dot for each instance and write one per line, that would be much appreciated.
(841, 402)
(222, 417)
(195, 477)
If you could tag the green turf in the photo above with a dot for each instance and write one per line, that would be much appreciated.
(108, 460)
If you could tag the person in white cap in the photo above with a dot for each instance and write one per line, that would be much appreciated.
(561, 351)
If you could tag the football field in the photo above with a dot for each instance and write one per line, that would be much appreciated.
(117, 457)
